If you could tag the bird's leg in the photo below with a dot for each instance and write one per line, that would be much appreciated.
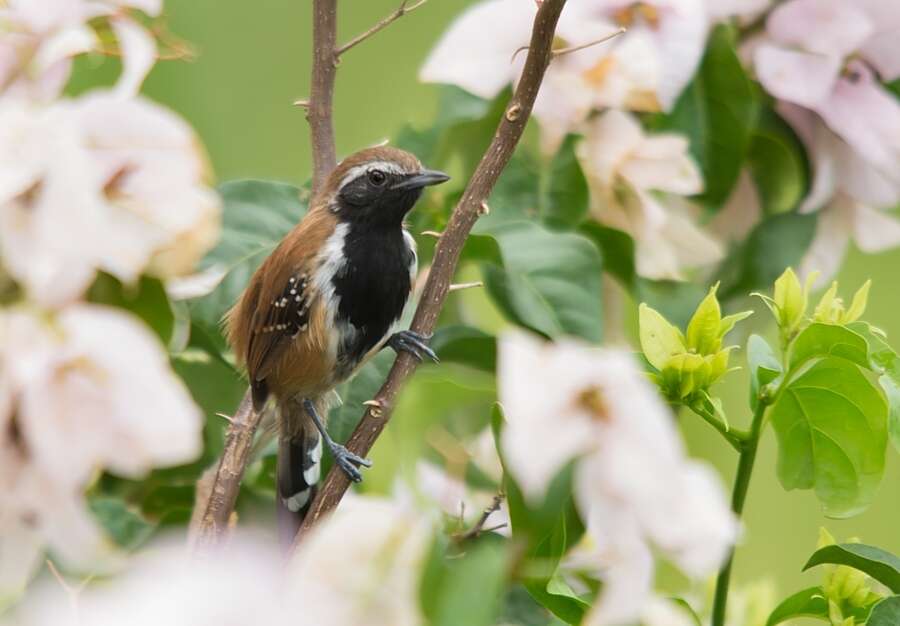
(414, 343)
(345, 459)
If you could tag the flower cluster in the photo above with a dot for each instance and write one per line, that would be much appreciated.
(632, 479)
(106, 182)
(824, 61)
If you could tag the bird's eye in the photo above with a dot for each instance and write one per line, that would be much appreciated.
(377, 177)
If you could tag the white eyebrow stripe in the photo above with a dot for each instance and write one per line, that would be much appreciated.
(385, 166)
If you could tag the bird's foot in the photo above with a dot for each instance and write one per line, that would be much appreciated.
(414, 343)
(349, 462)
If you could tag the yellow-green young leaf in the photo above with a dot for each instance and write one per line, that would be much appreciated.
(729, 321)
(719, 363)
(660, 341)
(790, 299)
(824, 309)
(703, 329)
(858, 305)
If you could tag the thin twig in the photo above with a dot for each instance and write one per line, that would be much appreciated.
(447, 251)
(479, 528)
(461, 286)
(563, 51)
(321, 92)
(397, 14)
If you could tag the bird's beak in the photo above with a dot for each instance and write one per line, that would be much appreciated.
(422, 179)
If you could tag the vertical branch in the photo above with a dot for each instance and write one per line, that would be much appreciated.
(321, 93)
(448, 250)
(223, 492)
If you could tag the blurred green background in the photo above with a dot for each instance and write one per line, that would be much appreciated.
(253, 62)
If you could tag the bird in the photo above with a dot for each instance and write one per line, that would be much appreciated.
(324, 302)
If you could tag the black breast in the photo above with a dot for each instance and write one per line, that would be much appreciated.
(372, 287)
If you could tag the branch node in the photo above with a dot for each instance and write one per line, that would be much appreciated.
(302, 103)
(431, 233)
(483, 208)
(228, 418)
(512, 113)
(375, 407)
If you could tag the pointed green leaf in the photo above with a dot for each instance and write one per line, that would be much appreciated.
(729, 321)
(660, 341)
(821, 340)
(703, 329)
(831, 427)
(565, 200)
(465, 345)
(858, 304)
(809, 602)
(877, 563)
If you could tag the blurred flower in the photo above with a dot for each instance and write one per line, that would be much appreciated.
(100, 183)
(819, 54)
(87, 389)
(850, 191)
(645, 69)
(38, 39)
(567, 401)
(362, 566)
(629, 171)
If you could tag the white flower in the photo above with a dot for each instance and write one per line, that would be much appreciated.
(645, 69)
(362, 566)
(38, 39)
(628, 172)
(100, 183)
(87, 389)
(634, 485)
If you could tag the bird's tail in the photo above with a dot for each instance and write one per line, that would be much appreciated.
(299, 468)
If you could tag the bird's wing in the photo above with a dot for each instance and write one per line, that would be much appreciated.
(279, 321)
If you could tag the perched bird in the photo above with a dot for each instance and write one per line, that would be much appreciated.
(325, 301)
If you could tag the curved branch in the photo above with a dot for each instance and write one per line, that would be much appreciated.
(448, 250)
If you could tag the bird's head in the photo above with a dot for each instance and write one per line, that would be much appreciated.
(378, 186)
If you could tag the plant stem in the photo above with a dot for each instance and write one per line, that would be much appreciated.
(736, 438)
(738, 497)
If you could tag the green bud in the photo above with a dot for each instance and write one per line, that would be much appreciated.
(835, 615)
(830, 309)
(703, 329)
(660, 340)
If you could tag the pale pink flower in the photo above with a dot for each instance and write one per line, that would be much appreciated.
(819, 53)
(638, 182)
(39, 38)
(634, 485)
(851, 193)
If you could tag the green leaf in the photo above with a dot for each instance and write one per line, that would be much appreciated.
(892, 392)
(565, 201)
(125, 525)
(809, 602)
(764, 366)
(885, 613)
(717, 112)
(470, 588)
(517, 194)
(776, 243)
(703, 330)
(777, 162)
(256, 215)
(617, 248)
(877, 563)
(660, 340)
(147, 299)
(830, 425)
(466, 345)
(549, 282)
(823, 340)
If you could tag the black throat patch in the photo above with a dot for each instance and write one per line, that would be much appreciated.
(373, 287)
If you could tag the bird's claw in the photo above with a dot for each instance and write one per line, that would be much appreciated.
(349, 462)
(414, 343)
